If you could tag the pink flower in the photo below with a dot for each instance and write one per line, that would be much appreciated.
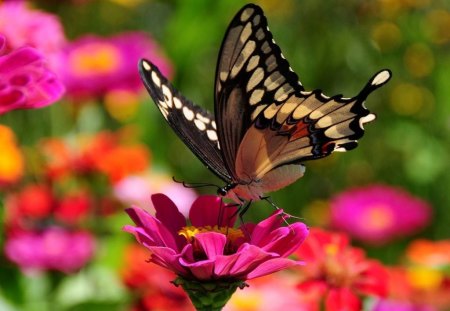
(97, 65)
(396, 305)
(24, 27)
(210, 248)
(52, 249)
(378, 213)
(25, 80)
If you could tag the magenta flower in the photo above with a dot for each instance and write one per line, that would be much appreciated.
(398, 305)
(210, 250)
(378, 213)
(97, 65)
(52, 249)
(25, 80)
(25, 27)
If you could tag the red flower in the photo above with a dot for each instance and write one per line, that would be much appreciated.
(337, 273)
(35, 201)
(73, 207)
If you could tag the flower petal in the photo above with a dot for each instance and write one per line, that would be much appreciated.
(152, 227)
(2, 43)
(286, 240)
(209, 210)
(271, 266)
(167, 258)
(263, 229)
(212, 243)
(248, 258)
(202, 270)
(342, 299)
(169, 215)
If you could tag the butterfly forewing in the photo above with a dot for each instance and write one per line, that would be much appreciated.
(265, 117)
(251, 75)
(195, 126)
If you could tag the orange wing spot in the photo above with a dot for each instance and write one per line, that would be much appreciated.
(326, 147)
(300, 130)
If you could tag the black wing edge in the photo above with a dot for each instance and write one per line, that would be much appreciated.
(208, 154)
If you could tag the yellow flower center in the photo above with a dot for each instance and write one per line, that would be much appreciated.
(94, 58)
(189, 232)
(379, 217)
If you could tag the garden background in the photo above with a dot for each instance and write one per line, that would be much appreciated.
(70, 169)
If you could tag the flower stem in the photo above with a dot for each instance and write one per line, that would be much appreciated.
(209, 296)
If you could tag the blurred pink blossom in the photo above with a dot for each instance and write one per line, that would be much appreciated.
(25, 80)
(396, 305)
(96, 65)
(137, 189)
(52, 249)
(26, 27)
(210, 248)
(379, 213)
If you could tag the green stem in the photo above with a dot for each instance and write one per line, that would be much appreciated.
(209, 296)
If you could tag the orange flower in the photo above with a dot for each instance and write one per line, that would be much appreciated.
(11, 159)
(124, 160)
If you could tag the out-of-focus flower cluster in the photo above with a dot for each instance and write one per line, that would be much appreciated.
(68, 171)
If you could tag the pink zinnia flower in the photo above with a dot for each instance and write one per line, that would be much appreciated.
(52, 249)
(96, 65)
(25, 27)
(209, 249)
(25, 80)
(379, 213)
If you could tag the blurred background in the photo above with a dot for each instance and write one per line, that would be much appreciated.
(68, 170)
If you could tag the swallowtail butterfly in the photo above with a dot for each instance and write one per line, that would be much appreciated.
(264, 124)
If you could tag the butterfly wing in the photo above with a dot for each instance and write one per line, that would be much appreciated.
(195, 126)
(265, 117)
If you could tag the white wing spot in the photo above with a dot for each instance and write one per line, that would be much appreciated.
(366, 119)
(177, 103)
(167, 96)
(212, 135)
(146, 66)
(381, 77)
(165, 113)
(155, 78)
(200, 125)
(163, 104)
(202, 118)
(188, 113)
(213, 124)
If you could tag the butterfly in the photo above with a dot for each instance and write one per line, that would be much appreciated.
(265, 124)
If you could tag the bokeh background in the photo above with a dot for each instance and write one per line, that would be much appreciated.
(104, 145)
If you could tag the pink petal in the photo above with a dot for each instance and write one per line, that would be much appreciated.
(271, 266)
(202, 270)
(20, 58)
(167, 213)
(224, 264)
(153, 227)
(263, 229)
(2, 43)
(169, 259)
(209, 210)
(286, 240)
(249, 257)
(212, 243)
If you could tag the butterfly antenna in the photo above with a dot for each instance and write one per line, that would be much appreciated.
(284, 215)
(194, 185)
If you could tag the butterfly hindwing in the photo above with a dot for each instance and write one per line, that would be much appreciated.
(195, 126)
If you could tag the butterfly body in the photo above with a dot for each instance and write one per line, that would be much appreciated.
(265, 124)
